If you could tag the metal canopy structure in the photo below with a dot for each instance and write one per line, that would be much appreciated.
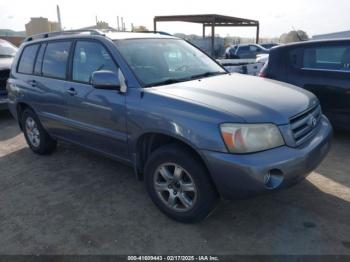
(209, 20)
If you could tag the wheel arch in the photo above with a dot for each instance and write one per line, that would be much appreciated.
(20, 108)
(148, 142)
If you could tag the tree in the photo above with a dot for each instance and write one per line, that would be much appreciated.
(294, 36)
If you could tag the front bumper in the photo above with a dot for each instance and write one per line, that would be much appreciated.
(242, 176)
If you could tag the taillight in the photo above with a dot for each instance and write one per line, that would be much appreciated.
(262, 74)
(263, 71)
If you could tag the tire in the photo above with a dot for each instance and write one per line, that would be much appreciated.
(187, 197)
(37, 138)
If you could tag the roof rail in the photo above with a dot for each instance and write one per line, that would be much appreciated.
(155, 32)
(68, 32)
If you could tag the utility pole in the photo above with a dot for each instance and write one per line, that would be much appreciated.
(59, 18)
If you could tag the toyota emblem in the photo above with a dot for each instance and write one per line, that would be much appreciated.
(313, 121)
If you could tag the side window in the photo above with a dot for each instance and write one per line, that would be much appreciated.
(90, 57)
(243, 49)
(253, 48)
(39, 60)
(336, 58)
(26, 62)
(55, 59)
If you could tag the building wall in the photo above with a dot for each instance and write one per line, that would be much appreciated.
(54, 26)
(39, 25)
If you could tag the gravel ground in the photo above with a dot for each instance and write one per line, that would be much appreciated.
(76, 202)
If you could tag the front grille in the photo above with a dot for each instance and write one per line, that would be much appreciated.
(4, 74)
(304, 125)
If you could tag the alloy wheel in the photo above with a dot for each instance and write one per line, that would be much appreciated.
(175, 187)
(32, 132)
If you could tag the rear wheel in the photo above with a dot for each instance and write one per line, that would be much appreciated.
(179, 184)
(37, 138)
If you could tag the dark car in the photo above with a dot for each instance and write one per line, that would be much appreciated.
(7, 53)
(321, 67)
(269, 45)
(192, 131)
(249, 51)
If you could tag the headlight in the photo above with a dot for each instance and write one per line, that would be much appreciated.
(249, 138)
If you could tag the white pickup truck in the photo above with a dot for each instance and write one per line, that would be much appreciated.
(245, 66)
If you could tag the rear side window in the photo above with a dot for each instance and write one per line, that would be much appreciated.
(335, 58)
(55, 59)
(26, 62)
(253, 48)
(89, 57)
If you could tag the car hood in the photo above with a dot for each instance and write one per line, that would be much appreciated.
(5, 63)
(254, 99)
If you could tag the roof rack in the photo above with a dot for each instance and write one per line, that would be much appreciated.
(101, 32)
(68, 32)
(155, 32)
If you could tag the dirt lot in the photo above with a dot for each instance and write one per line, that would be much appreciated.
(76, 202)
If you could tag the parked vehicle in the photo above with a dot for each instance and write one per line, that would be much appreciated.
(7, 53)
(191, 130)
(269, 45)
(249, 51)
(263, 59)
(321, 67)
(242, 66)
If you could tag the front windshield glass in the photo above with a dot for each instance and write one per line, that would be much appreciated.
(7, 49)
(166, 61)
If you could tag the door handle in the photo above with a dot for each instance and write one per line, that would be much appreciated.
(32, 83)
(71, 91)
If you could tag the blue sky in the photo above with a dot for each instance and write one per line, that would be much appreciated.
(276, 17)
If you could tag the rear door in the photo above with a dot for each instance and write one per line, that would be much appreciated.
(50, 80)
(324, 69)
(41, 74)
(97, 117)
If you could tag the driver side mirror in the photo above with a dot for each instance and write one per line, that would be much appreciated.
(105, 79)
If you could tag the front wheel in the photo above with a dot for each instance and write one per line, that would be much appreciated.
(179, 184)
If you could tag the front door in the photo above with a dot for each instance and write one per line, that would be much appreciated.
(97, 117)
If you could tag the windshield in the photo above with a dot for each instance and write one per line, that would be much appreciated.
(166, 61)
(7, 49)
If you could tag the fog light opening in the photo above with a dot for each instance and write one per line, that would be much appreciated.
(267, 178)
(273, 179)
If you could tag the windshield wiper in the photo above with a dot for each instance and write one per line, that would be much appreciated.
(207, 74)
(178, 80)
(168, 81)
